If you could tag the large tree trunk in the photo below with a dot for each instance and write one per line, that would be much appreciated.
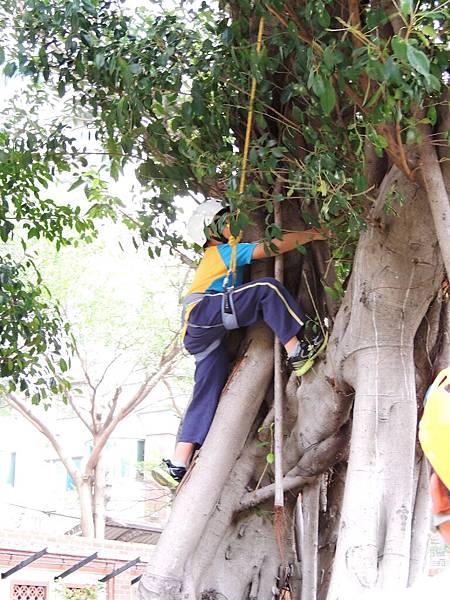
(398, 271)
(215, 547)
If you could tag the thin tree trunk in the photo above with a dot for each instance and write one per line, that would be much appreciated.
(86, 513)
(308, 514)
(99, 500)
(278, 384)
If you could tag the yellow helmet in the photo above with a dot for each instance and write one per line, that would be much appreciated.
(434, 428)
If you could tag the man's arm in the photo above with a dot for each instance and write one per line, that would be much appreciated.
(289, 242)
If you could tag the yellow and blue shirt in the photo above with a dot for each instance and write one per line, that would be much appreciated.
(213, 267)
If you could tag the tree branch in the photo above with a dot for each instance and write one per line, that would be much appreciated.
(147, 386)
(375, 166)
(79, 413)
(106, 369)
(252, 499)
(395, 148)
(314, 462)
(185, 259)
(112, 406)
(172, 397)
(433, 182)
(355, 19)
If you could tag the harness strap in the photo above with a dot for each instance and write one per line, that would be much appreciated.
(213, 345)
(229, 318)
(188, 303)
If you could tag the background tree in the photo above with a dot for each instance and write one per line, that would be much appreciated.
(351, 122)
(126, 345)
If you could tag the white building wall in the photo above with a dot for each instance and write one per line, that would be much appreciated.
(39, 498)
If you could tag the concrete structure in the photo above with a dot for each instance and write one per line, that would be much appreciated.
(36, 581)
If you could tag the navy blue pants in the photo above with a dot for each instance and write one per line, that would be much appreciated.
(263, 299)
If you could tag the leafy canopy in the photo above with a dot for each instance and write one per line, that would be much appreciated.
(171, 95)
(34, 346)
(168, 94)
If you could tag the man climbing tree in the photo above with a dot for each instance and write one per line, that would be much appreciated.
(218, 301)
(351, 126)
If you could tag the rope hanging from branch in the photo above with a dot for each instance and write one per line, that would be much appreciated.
(248, 132)
(279, 266)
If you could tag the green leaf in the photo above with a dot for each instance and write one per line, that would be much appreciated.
(399, 47)
(331, 57)
(76, 184)
(135, 68)
(375, 70)
(323, 188)
(5, 229)
(198, 105)
(391, 71)
(2, 56)
(99, 60)
(62, 365)
(324, 18)
(418, 60)
(10, 69)
(286, 94)
(61, 88)
(331, 292)
(86, 38)
(318, 85)
(376, 17)
(270, 457)
(406, 7)
(434, 83)
(127, 143)
(186, 111)
(297, 114)
(328, 97)
(300, 249)
(430, 31)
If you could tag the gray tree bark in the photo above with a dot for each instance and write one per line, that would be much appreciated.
(220, 540)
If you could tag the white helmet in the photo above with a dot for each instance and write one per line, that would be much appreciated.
(202, 216)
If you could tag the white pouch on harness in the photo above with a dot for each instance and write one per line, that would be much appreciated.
(229, 318)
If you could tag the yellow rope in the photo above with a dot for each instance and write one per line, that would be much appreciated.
(234, 241)
(248, 131)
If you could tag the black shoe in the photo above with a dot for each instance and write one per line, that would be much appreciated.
(168, 475)
(176, 472)
(313, 343)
